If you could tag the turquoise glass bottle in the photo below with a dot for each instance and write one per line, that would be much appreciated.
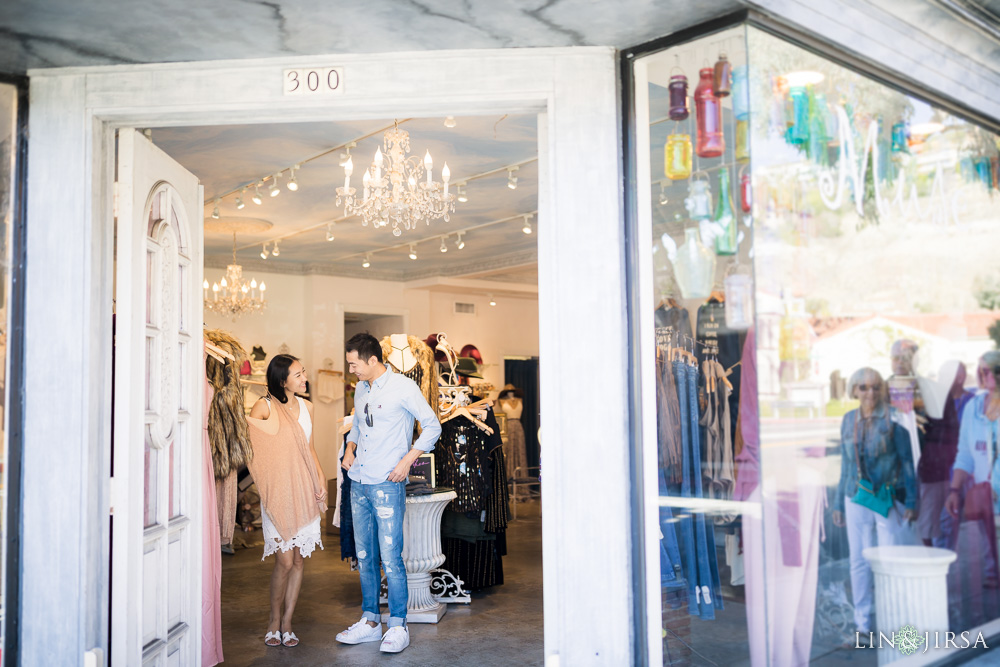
(725, 218)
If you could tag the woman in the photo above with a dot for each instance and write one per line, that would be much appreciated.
(874, 448)
(291, 485)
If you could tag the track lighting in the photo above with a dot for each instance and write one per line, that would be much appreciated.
(413, 251)
(450, 121)
(664, 200)
(239, 199)
(293, 185)
(256, 195)
(368, 260)
(215, 211)
(459, 243)
(462, 196)
(274, 189)
(275, 252)
(527, 225)
(444, 248)
(263, 252)
(493, 301)
(329, 230)
(511, 178)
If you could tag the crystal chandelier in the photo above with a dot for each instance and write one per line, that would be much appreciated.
(233, 296)
(397, 189)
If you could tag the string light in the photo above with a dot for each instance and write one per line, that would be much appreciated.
(239, 199)
(527, 225)
(256, 195)
(293, 185)
(459, 243)
(511, 178)
(444, 248)
(275, 189)
(215, 211)
(413, 251)
(263, 252)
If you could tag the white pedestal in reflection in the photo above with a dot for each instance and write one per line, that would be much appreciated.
(422, 554)
(911, 588)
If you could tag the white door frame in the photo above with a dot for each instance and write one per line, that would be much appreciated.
(586, 540)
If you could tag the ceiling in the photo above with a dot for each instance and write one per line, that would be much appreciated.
(229, 157)
(60, 33)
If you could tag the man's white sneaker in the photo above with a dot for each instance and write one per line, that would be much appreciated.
(395, 640)
(360, 632)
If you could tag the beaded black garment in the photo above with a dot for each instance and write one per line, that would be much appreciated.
(462, 464)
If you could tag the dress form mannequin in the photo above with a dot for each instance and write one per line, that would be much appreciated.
(411, 357)
(400, 356)
(515, 447)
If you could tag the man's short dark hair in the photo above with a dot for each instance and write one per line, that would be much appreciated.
(366, 345)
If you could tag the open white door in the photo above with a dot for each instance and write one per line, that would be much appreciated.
(156, 513)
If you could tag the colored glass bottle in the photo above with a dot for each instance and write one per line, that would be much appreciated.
(694, 267)
(725, 218)
(798, 129)
(742, 140)
(899, 138)
(699, 200)
(678, 88)
(746, 191)
(708, 108)
(722, 76)
(677, 157)
(741, 93)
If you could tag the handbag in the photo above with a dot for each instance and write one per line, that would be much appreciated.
(880, 501)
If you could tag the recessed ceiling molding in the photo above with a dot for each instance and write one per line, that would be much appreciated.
(478, 287)
(237, 224)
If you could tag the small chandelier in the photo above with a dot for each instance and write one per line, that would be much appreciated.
(398, 189)
(233, 296)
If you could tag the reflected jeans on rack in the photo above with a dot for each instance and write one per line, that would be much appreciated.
(687, 523)
(670, 554)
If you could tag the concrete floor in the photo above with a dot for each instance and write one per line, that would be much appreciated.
(502, 626)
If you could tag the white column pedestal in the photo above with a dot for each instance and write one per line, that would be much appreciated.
(911, 588)
(422, 554)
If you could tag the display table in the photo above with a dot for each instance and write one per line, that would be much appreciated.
(911, 588)
(422, 557)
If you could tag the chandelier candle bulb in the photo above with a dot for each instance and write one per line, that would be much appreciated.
(223, 284)
(446, 176)
(378, 164)
(428, 166)
(215, 291)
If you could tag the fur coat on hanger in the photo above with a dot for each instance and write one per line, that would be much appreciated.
(425, 357)
(228, 433)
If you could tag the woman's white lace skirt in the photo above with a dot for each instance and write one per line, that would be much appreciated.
(306, 539)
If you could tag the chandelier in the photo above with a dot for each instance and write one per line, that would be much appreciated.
(233, 296)
(397, 189)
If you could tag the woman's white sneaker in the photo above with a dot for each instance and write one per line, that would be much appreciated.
(360, 632)
(395, 640)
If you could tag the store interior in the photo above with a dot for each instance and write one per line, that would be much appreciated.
(315, 273)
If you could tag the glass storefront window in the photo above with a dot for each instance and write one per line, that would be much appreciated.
(822, 291)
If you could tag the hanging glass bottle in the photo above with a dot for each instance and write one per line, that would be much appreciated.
(798, 130)
(899, 138)
(677, 157)
(725, 218)
(678, 89)
(741, 93)
(818, 134)
(722, 76)
(739, 300)
(699, 200)
(983, 171)
(742, 140)
(708, 108)
(746, 191)
(694, 267)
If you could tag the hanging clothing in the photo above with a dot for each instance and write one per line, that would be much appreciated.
(676, 319)
(719, 341)
(668, 420)
(227, 422)
(225, 494)
(747, 460)
(211, 554)
(716, 421)
(463, 463)
(286, 477)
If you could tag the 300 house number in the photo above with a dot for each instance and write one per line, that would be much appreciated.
(314, 81)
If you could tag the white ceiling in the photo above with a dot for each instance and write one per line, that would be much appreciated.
(229, 157)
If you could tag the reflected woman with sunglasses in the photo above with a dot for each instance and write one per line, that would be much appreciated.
(291, 484)
(877, 494)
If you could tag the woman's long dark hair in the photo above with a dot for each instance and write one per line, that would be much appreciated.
(277, 375)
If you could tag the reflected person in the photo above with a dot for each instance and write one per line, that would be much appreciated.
(874, 450)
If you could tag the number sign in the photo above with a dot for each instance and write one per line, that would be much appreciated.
(314, 81)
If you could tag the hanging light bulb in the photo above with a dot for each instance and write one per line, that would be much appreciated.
(450, 121)
(493, 301)
(527, 225)
(263, 252)
(462, 196)
(329, 232)
(275, 252)
(413, 251)
(256, 195)
(239, 199)
(511, 178)
(459, 243)
(664, 200)
(367, 261)
(444, 248)
(274, 189)
(215, 211)
(293, 185)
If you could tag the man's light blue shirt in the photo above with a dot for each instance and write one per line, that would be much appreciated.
(393, 401)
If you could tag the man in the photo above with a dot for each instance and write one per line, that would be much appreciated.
(378, 459)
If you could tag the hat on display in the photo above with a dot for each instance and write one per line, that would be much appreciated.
(432, 342)
(472, 351)
(466, 367)
(258, 353)
(511, 389)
